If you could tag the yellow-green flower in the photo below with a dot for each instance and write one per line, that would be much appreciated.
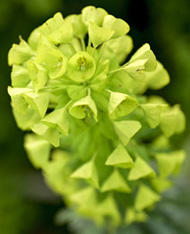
(101, 143)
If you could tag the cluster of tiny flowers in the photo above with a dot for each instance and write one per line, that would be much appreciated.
(101, 143)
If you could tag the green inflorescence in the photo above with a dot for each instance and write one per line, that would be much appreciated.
(101, 143)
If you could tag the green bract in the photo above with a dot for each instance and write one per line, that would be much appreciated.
(101, 143)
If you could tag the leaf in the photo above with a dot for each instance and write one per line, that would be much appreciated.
(79, 28)
(118, 25)
(157, 79)
(169, 163)
(121, 104)
(108, 208)
(56, 172)
(58, 119)
(76, 92)
(55, 61)
(50, 134)
(152, 113)
(172, 121)
(145, 53)
(92, 14)
(81, 67)
(83, 108)
(181, 121)
(160, 185)
(18, 102)
(18, 54)
(132, 215)
(117, 48)
(120, 158)
(126, 129)
(145, 198)
(116, 182)
(136, 69)
(38, 101)
(19, 76)
(28, 119)
(87, 194)
(64, 34)
(57, 30)
(99, 35)
(88, 172)
(38, 74)
(140, 170)
(99, 80)
(38, 150)
(34, 38)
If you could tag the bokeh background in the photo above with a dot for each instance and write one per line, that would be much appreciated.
(27, 206)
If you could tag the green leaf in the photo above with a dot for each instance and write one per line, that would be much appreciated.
(56, 172)
(58, 119)
(50, 134)
(172, 121)
(140, 170)
(121, 104)
(118, 25)
(18, 54)
(152, 113)
(108, 208)
(38, 101)
(19, 104)
(157, 79)
(132, 215)
(99, 80)
(145, 53)
(170, 163)
(118, 48)
(87, 208)
(83, 108)
(120, 158)
(181, 121)
(28, 119)
(57, 30)
(76, 92)
(81, 67)
(99, 35)
(38, 74)
(145, 198)
(19, 76)
(79, 28)
(38, 150)
(34, 38)
(126, 129)
(116, 182)
(160, 185)
(88, 172)
(54, 60)
(136, 69)
(64, 34)
(92, 14)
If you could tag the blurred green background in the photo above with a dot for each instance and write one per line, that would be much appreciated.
(27, 206)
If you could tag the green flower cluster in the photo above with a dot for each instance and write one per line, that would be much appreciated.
(100, 142)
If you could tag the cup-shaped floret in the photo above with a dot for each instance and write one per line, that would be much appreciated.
(121, 104)
(92, 14)
(81, 67)
(84, 107)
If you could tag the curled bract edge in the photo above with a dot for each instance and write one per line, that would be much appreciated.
(101, 143)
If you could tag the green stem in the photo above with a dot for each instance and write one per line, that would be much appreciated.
(83, 44)
(101, 51)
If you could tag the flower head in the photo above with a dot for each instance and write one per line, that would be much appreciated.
(86, 106)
